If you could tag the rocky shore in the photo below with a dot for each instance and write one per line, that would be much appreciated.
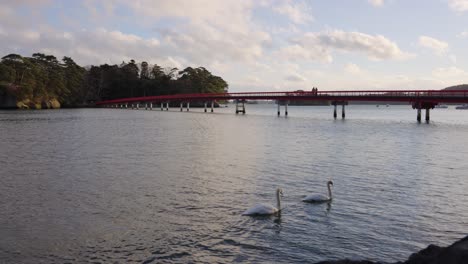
(8, 100)
(457, 253)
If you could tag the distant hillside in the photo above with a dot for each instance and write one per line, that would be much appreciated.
(457, 87)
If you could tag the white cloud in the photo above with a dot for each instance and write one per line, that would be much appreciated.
(206, 30)
(299, 52)
(453, 58)
(449, 73)
(203, 42)
(295, 77)
(299, 13)
(463, 34)
(211, 31)
(353, 69)
(459, 5)
(319, 46)
(376, 2)
(253, 79)
(87, 47)
(437, 46)
(212, 12)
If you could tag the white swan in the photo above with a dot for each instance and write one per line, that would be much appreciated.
(320, 198)
(266, 209)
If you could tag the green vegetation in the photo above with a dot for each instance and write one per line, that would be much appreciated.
(43, 81)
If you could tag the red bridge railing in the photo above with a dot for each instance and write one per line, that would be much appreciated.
(433, 96)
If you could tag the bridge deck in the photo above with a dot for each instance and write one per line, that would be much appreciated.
(410, 96)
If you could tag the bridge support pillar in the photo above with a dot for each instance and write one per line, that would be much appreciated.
(205, 106)
(279, 110)
(181, 106)
(334, 111)
(240, 106)
(343, 111)
(286, 108)
(162, 106)
(167, 106)
(188, 106)
(137, 106)
(126, 106)
(212, 106)
(151, 106)
(423, 105)
(146, 106)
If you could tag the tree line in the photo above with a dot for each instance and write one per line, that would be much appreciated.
(42, 77)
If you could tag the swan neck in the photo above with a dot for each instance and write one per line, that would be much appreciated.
(329, 192)
(278, 201)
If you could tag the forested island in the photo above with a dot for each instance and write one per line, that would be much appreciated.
(42, 81)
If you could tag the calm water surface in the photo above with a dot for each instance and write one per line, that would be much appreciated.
(111, 185)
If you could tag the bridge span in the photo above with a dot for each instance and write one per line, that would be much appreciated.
(418, 99)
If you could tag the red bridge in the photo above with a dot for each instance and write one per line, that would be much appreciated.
(419, 99)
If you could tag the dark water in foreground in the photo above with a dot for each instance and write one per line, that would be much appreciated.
(104, 185)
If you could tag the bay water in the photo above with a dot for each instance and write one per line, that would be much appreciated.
(133, 186)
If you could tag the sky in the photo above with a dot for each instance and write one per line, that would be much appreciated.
(256, 45)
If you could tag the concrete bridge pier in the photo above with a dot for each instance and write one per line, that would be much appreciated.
(240, 106)
(126, 105)
(162, 106)
(181, 106)
(146, 106)
(137, 106)
(212, 106)
(205, 106)
(167, 106)
(286, 108)
(335, 106)
(151, 106)
(188, 106)
(279, 110)
(423, 105)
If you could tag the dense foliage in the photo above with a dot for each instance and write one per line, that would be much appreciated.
(42, 77)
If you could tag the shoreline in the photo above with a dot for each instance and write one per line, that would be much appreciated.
(456, 253)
